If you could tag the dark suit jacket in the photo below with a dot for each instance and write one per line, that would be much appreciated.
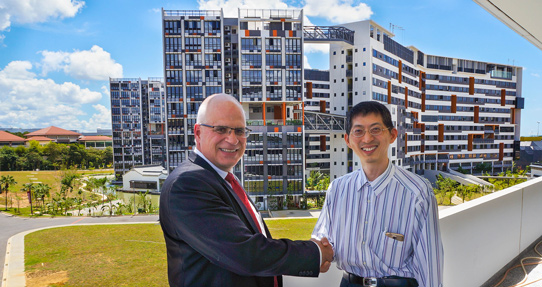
(211, 239)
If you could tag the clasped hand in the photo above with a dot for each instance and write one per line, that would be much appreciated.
(327, 253)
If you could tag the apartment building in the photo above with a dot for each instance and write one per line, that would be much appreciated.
(257, 58)
(450, 113)
(137, 117)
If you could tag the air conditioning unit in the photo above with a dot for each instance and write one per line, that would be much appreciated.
(228, 75)
(228, 60)
(228, 91)
(227, 28)
(227, 44)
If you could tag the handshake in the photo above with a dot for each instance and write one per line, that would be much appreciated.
(327, 253)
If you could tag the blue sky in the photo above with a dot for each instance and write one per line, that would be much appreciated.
(56, 56)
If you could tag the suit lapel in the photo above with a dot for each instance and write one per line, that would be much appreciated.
(248, 218)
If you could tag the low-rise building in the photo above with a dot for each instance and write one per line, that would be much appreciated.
(99, 142)
(7, 139)
(144, 178)
(58, 135)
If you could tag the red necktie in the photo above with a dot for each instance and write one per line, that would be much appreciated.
(243, 196)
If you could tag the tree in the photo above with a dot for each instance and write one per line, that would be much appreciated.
(483, 167)
(8, 158)
(27, 187)
(41, 191)
(7, 180)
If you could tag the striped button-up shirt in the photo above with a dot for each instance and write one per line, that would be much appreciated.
(358, 213)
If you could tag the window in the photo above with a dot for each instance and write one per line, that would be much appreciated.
(251, 45)
(273, 45)
(212, 44)
(273, 60)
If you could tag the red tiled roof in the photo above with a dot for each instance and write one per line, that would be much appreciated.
(52, 131)
(39, 138)
(95, 138)
(7, 137)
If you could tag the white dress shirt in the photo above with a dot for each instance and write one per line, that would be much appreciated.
(223, 174)
(358, 213)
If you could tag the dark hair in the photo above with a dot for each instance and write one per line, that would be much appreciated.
(365, 108)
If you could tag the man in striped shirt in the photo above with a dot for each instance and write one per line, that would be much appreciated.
(381, 220)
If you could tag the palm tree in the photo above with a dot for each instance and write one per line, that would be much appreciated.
(28, 188)
(41, 191)
(7, 180)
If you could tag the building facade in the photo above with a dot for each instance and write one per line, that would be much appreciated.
(450, 113)
(137, 118)
(256, 58)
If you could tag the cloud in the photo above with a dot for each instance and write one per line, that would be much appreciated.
(29, 101)
(93, 64)
(36, 11)
(336, 11)
(101, 119)
(535, 75)
(306, 64)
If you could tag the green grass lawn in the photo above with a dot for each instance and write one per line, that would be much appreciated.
(115, 255)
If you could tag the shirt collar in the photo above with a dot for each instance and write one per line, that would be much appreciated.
(380, 183)
(220, 172)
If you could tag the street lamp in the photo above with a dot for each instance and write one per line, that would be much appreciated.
(538, 130)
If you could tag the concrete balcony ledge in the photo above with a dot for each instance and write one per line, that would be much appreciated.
(480, 237)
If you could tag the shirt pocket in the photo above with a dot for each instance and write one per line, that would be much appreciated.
(390, 252)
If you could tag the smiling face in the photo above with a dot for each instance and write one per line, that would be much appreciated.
(371, 150)
(223, 150)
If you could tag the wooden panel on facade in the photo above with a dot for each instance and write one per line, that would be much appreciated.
(476, 114)
(309, 90)
(503, 97)
(471, 138)
(323, 143)
(454, 104)
(513, 116)
(501, 151)
(389, 92)
(322, 106)
(423, 102)
(471, 86)
(400, 76)
(440, 133)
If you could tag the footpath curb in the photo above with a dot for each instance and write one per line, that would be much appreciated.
(14, 273)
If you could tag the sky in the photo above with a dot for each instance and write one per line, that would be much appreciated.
(56, 56)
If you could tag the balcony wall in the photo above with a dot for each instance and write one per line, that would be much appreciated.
(480, 237)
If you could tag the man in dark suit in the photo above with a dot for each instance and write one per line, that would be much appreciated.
(214, 234)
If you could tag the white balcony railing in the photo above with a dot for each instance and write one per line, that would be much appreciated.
(480, 237)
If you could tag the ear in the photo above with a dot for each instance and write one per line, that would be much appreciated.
(347, 140)
(197, 133)
(393, 133)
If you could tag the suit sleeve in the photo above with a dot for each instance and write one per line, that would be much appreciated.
(199, 211)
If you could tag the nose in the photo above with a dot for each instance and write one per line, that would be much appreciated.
(367, 137)
(232, 138)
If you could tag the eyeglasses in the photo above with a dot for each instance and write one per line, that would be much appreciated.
(222, 130)
(374, 131)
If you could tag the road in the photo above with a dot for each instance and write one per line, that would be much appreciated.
(11, 225)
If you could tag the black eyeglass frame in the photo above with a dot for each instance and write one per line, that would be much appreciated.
(245, 132)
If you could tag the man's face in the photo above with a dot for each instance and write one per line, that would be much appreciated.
(372, 150)
(223, 150)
